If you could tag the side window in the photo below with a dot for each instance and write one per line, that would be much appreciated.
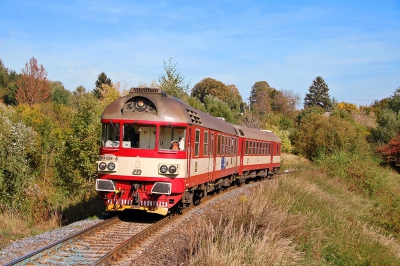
(173, 138)
(225, 145)
(205, 144)
(250, 147)
(197, 143)
(222, 145)
(247, 146)
(219, 145)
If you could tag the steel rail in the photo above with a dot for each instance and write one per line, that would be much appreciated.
(114, 254)
(56, 245)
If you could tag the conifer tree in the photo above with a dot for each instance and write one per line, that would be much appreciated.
(101, 79)
(318, 94)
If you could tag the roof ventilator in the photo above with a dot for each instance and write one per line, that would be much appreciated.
(194, 117)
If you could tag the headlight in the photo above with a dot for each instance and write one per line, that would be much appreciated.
(172, 169)
(111, 166)
(102, 166)
(140, 104)
(163, 169)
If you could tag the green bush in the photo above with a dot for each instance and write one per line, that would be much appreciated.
(359, 170)
(319, 134)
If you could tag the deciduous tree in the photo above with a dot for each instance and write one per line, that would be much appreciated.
(173, 82)
(226, 93)
(286, 102)
(8, 84)
(33, 86)
(261, 97)
(218, 108)
(58, 93)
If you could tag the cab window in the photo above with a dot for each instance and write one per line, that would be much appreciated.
(172, 138)
(110, 135)
(139, 136)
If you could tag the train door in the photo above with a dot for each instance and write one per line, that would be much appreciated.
(272, 152)
(211, 156)
(241, 150)
(189, 151)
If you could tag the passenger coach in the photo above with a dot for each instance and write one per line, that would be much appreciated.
(158, 153)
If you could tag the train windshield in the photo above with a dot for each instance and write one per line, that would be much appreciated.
(142, 136)
(110, 135)
(172, 138)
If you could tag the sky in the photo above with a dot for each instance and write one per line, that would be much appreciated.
(353, 45)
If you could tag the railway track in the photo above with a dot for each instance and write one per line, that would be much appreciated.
(96, 245)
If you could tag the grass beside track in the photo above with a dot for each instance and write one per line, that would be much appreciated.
(303, 218)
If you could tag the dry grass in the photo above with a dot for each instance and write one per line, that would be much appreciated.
(15, 226)
(254, 232)
(303, 218)
(293, 162)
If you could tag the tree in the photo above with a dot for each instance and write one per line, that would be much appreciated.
(261, 97)
(226, 93)
(8, 84)
(388, 127)
(318, 94)
(394, 101)
(286, 102)
(101, 79)
(235, 101)
(172, 81)
(33, 86)
(218, 108)
(249, 119)
(59, 94)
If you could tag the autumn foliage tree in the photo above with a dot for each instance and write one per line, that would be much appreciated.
(261, 95)
(33, 86)
(391, 152)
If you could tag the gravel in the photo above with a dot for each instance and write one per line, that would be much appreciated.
(159, 250)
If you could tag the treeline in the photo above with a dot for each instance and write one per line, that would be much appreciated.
(49, 136)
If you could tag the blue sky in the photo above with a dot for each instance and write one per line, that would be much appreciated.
(354, 46)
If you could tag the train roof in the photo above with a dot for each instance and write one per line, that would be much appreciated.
(163, 107)
(257, 134)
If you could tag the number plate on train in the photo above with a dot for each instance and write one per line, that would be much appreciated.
(108, 158)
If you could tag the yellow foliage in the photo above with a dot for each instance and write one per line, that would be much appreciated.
(349, 107)
(110, 93)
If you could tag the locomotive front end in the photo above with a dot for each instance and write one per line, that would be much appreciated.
(143, 160)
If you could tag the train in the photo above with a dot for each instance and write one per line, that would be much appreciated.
(160, 155)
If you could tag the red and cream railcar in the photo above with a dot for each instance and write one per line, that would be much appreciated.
(158, 153)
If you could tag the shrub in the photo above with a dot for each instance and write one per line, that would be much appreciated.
(319, 134)
(359, 170)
